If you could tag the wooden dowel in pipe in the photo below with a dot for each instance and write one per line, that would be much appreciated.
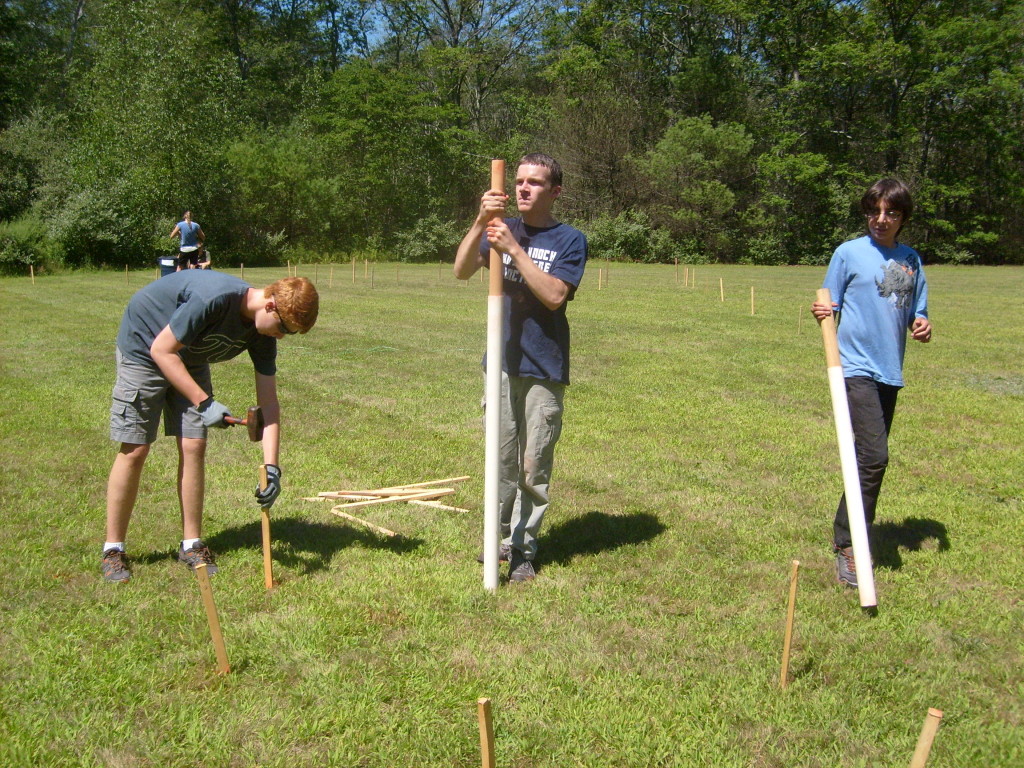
(492, 398)
(211, 617)
(790, 613)
(367, 523)
(924, 741)
(268, 562)
(483, 709)
(848, 460)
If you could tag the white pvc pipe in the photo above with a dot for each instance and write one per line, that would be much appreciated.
(851, 485)
(492, 441)
(848, 459)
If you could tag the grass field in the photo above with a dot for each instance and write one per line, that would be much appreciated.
(698, 460)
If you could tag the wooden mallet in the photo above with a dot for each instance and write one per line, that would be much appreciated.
(253, 421)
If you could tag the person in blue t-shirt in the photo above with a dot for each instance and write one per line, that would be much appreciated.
(192, 239)
(171, 331)
(879, 292)
(543, 265)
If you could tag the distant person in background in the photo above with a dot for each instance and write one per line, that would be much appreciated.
(201, 260)
(192, 236)
(878, 292)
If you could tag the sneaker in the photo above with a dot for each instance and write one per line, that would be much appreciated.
(504, 553)
(115, 566)
(519, 568)
(846, 569)
(196, 554)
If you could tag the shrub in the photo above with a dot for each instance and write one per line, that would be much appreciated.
(430, 239)
(24, 242)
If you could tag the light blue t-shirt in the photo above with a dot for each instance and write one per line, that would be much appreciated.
(880, 291)
(189, 232)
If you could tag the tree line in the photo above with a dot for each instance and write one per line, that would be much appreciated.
(720, 130)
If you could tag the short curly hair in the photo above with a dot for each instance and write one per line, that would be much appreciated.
(297, 301)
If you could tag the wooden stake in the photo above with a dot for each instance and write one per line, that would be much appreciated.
(289, 267)
(316, 274)
(751, 299)
(799, 318)
(445, 481)
(600, 276)
(353, 270)
(784, 675)
(330, 280)
(396, 275)
(268, 563)
(371, 274)
(32, 273)
(686, 276)
(211, 616)
(241, 269)
(483, 710)
(677, 271)
(367, 523)
(433, 494)
(924, 741)
(126, 274)
(721, 288)
(366, 268)
(438, 505)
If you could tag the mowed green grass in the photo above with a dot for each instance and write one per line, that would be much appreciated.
(698, 460)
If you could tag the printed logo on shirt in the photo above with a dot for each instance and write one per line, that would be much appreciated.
(216, 348)
(897, 284)
(542, 257)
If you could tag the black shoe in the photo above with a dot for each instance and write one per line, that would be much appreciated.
(115, 566)
(519, 568)
(196, 554)
(504, 553)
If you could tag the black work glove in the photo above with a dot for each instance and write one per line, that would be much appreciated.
(268, 495)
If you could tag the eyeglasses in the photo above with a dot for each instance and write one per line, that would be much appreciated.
(889, 214)
(280, 324)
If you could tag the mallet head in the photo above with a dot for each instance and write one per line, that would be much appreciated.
(254, 423)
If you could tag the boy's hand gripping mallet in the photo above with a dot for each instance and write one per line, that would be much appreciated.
(848, 459)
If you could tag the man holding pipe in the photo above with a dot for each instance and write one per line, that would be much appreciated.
(170, 333)
(879, 292)
(543, 263)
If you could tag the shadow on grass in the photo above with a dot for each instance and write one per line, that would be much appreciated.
(911, 534)
(596, 532)
(298, 543)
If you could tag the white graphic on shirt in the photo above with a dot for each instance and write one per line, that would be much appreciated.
(542, 257)
(216, 347)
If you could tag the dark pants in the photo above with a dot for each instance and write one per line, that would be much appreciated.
(872, 405)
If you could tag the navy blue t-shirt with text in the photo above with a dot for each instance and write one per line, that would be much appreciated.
(537, 338)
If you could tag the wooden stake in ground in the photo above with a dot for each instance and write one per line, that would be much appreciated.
(848, 460)
(330, 279)
(483, 710)
(241, 270)
(677, 271)
(751, 300)
(126, 274)
(721, 288)
(790, 612)
(686, 276)
(32, 273)
(924, 741)
(492, 416)
(353, 270)
(211, 616)
(268, 563)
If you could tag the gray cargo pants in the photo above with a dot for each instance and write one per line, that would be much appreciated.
(531, 423)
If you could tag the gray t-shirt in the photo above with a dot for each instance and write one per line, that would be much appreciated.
(204, 310)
